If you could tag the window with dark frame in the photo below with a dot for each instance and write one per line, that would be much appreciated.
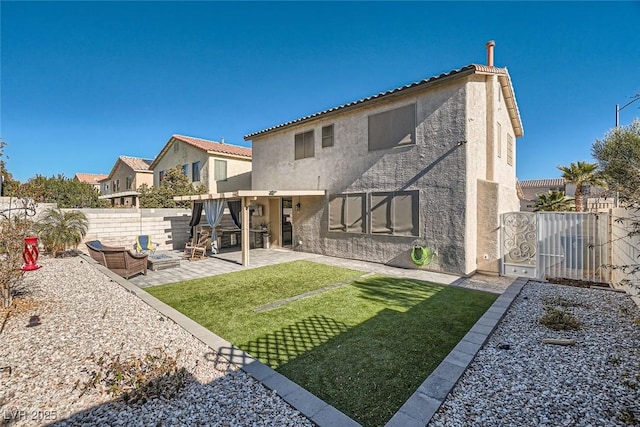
(129, 182)
(185, 170)
(327, 136)
(395, 213)
(392, 128)
(304, 145)
(161, 175)
(195, 171)
(347, 213)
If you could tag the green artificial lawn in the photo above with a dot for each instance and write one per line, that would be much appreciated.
(364, 347)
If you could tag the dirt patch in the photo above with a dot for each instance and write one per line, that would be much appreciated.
(575, 282)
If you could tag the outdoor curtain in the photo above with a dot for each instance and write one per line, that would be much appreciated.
(213, 210)
(196, 214)
(234, 209)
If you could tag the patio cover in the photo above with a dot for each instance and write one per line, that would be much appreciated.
(246, 196)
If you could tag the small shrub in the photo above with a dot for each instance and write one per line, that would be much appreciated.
(628, 417)
(137, 379)
(12, 234)
(559, 319)
(60, 230)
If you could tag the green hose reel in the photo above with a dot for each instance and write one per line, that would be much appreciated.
(421, 255)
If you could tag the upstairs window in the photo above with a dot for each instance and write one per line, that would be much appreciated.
(393, 128)
(195, 171)
(347, 213)
(220, 170)
(499, 147)
(129, 182)
(161, 175)
(509, 150)
(304, 145)
(327, 136)
(175, 147)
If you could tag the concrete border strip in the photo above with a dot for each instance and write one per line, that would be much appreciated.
(427, 399)
(311, 406)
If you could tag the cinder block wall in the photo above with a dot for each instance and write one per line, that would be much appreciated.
(119, 227)
(625, 251)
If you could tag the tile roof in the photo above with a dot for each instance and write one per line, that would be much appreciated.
(136, 163)
(469, 69)
(90, 178)
(216, 147)
(549, 182)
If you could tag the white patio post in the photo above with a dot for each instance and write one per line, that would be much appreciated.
(245, 231)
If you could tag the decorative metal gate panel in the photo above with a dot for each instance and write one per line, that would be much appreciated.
(519, 239)
(556, 245)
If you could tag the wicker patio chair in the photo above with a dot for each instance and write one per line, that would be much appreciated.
(95, 250)
(125, 263)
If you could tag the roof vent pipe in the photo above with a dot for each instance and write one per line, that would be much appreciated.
(222, 140)
(490, 44)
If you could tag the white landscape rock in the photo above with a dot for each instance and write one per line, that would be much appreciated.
(82, 312)
(593, 383)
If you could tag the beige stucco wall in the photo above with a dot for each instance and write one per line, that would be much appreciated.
(435, 166)
(238, 170)
(491, 187)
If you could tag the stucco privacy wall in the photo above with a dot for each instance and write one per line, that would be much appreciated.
(625, 251)
(119, 227)
(435, 165)
(492, 192)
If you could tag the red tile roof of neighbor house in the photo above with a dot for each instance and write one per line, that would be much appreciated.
(502, 73)
(216, 147)
(136, 163)
(90, 178)
(549, 182)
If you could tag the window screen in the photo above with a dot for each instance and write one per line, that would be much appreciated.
(509, 150)
(347, 213)
(304, 145)
(195, 171)
(499, 148)
(395, 213)
(220, 170)
(327, 136)
(392, 128)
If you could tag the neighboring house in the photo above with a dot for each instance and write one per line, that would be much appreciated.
(595, 197)
(431, 163)
(91, 178)
(127, 175)
(216, 165)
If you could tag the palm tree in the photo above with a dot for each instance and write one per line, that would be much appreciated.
(554, 201)
(581, 174)
(59, 230)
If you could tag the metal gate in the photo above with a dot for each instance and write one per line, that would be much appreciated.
(556, 245)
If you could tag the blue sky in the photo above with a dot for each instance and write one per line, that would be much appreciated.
(85, 82)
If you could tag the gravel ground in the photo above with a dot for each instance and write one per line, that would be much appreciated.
(594, 383)
(82, 313)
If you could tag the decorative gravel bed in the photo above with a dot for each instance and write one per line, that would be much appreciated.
(517, 380)
(82, 313)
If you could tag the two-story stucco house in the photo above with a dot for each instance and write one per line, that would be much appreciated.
(126, 176)
(431, 163)
(216, 165)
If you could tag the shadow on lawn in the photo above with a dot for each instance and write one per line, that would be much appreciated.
(281, 346)
(368, 371)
